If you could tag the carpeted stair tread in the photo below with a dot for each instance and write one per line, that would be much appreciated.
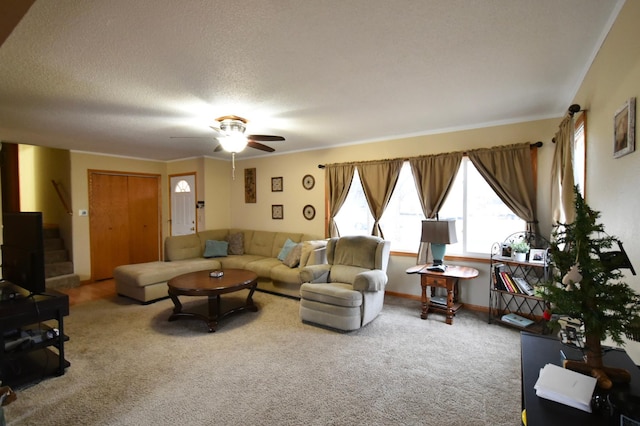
(58, 268)
(53, 244)
(53, 256)
(63, 281)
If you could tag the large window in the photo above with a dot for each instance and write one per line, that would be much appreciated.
(481, 217)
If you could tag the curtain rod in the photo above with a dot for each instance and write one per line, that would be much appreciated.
(533, 145)
(573, 109)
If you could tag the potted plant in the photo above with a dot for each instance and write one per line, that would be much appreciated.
(520, 250)
(585, 285)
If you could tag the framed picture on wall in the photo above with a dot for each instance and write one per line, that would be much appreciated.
(624, 129)
(250, 185)
(277, 211)
(276, 184)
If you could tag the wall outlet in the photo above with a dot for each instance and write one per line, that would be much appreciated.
(83, 213)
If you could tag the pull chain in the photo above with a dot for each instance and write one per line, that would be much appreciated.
(233, 166)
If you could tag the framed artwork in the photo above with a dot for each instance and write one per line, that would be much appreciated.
(250, 185)
(276, 184)
(537, 256)
(505, 250)
(277, 211)
(624, 129)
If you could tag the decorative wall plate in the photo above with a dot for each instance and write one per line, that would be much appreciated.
(309, 212)
(308, 181)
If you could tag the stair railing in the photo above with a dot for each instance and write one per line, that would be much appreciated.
(61, 197)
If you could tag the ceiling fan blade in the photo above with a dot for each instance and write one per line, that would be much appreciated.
(265, 138)
(218, 148)
(261, 147)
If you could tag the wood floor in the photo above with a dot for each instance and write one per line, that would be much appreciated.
(90, 291)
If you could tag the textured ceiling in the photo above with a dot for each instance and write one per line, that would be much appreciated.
(122, 77)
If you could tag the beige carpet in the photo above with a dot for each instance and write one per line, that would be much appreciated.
(130, 366)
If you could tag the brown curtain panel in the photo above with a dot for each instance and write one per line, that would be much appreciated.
(378, 182)
(562, 182)
(338, 177)
(509, 172)
(434, 175)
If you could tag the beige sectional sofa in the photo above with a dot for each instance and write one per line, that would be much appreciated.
(254, 250)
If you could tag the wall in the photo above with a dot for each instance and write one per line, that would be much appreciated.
(217, 193)
(38, 166)
(292, 167)
(81, 163)
(613, 78)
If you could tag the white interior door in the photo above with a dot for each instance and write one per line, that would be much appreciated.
(183, 204)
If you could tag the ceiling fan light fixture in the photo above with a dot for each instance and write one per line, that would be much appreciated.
(233, 142)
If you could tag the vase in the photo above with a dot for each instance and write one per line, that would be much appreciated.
(520, 257)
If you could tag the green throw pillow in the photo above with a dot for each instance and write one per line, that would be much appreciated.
(213, 248)
(286, 248)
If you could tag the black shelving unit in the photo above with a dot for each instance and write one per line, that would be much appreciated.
(30, 361)
(503, 302)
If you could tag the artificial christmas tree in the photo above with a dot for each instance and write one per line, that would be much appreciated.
(586, 285)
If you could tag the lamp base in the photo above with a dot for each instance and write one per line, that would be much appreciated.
(438, 250)
(437, 268)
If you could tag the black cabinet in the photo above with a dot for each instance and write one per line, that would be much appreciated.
(523, 275)
(32, 337)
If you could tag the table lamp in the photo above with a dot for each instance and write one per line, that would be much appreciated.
(438, 233)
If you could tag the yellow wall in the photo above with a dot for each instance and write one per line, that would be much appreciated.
(38, 167)
(217, 193)
(612, 183)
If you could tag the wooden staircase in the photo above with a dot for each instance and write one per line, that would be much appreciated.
(58, 269)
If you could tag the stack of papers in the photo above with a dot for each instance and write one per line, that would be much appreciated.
(566, 387)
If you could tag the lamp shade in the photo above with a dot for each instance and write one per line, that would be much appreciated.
(234, 142)
(439, 232)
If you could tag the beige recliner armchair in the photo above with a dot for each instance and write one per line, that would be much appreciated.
(347, 292)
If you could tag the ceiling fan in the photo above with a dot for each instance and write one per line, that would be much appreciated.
(232, 138)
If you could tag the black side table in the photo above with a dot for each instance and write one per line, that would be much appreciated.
(536, 352)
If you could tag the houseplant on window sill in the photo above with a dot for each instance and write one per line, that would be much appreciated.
(586, 286)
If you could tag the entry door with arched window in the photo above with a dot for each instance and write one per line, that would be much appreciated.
(183, 204)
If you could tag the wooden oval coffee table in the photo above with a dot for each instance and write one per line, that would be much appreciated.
(201, 284)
